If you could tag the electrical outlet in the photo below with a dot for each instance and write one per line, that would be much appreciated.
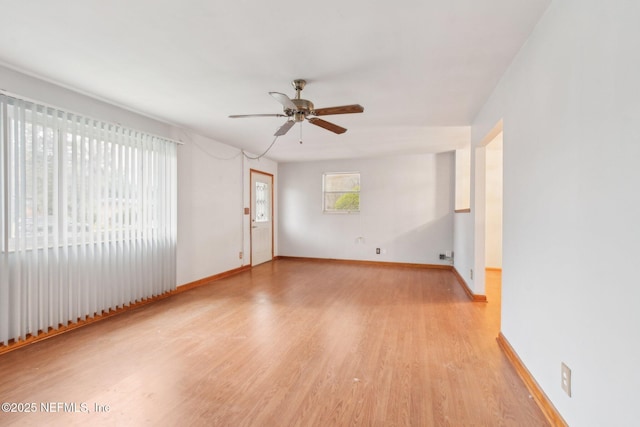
(240, 254)
(377, 251)
(441, 256)
(565, 373)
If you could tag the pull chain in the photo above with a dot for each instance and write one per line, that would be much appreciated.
(300, 132)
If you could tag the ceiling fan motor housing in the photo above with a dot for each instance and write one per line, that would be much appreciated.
(303, 108)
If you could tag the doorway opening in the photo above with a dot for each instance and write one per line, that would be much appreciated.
(493, 218)
(488, 214)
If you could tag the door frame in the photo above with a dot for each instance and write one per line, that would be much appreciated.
(251, 207)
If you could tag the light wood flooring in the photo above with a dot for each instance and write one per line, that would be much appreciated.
(288, 343)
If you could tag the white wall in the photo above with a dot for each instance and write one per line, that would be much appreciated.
(463, 178)
(212, 180)
(406, 205)
(463, 246)
(463, 221)
(39, 90)
(570, 105)
(213, 190)
(209, 208)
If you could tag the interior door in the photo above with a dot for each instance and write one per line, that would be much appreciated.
(261, 217)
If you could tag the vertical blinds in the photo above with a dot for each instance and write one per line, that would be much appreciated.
(87, 217)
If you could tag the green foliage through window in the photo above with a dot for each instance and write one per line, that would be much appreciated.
(348, 202)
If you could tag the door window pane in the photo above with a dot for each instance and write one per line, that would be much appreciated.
(262, 202)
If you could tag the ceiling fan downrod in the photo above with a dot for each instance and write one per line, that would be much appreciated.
(304, 107)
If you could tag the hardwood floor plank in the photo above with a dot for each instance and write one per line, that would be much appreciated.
(291, 342)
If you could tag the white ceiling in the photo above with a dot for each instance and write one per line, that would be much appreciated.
(421, 68)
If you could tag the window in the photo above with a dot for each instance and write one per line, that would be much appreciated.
(74, 180)
(341, 192)
(87, 217)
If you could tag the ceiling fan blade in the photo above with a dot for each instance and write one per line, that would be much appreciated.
(243, 116)
(284, 100)
(343, 109)
(327, 125)
(284, 128)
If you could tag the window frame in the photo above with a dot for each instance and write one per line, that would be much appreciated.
(325, 192)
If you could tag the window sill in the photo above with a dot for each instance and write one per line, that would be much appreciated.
(341, 212)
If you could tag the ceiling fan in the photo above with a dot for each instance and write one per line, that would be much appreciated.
(298, 109)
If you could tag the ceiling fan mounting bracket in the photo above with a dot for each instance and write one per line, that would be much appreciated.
(299, 84)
